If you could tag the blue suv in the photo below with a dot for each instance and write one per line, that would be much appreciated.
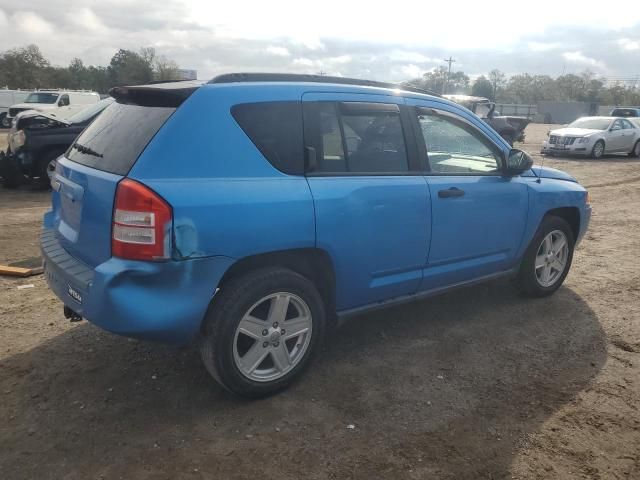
(252, 213)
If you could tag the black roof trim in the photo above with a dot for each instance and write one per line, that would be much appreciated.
(298, 77)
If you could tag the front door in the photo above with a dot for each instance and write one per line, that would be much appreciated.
(371, 201)
(478, 215)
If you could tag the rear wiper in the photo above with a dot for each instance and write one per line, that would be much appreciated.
(86, 150)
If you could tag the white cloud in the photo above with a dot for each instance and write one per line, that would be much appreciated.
(85, 19)
(32, 24)
(277, 51)
(413, 57)
(581, 59)
(411, 71)
(543, 46)
(4, 21)
(628, 44)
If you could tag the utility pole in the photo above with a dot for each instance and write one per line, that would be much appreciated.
(445, 85)
(322, 73)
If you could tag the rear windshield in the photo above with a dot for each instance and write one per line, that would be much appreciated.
(115, 140)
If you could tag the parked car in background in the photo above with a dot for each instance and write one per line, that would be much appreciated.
(8, 98)
(633, 112)
(509, 127)
(63, 103)
(235, 223)
(595, 137)
(36, 139)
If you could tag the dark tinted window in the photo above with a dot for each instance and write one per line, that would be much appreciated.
(276, 129)
(366, 141)
(118, 136)
(625, 112)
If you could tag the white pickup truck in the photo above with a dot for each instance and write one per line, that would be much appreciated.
(62, 103)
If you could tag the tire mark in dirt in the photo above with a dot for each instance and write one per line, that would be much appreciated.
(614, 183)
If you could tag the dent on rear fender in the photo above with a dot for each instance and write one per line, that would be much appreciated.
(186, 239)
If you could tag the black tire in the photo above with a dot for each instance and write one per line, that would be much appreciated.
(508, 136)
(4, 123)
(635, 151)
(43, 181)
(231, 303)
(594, 154)
(527, 280)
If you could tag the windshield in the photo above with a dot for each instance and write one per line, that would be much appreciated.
(591, 123)
(91, 111)
(41, 97)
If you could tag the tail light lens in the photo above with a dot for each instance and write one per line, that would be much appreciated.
(141, 223)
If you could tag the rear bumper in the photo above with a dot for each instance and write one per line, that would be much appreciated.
(156, 301)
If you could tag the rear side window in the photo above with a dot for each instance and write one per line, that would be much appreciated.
(275, 128)
(116, 138)
(355, 137)
(624, 112)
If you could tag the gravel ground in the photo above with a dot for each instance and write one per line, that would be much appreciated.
(475, 384)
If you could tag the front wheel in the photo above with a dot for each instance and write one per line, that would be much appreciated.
(4, 121)
(598, 150)
(547, 260)
(262, 331)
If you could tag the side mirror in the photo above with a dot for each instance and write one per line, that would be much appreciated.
(517, 162)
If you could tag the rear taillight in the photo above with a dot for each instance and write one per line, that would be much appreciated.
(141, 223)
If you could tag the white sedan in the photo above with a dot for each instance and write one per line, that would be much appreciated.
(595, 136)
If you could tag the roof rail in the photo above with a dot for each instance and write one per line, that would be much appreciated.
(299, 77)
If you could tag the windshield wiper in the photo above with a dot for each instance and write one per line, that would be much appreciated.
(86, 150)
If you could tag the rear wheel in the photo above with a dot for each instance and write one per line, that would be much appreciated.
(4, 121)
(262, 331)
(636, 150)
(547, 260)
(598, 149)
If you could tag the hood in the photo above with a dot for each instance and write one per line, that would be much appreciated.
(35, 113)
(548, 172)
(573, 132)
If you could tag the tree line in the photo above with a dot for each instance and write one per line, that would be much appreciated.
(529, 89)
(27, 68)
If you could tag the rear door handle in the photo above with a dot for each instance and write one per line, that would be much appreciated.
(451, 192)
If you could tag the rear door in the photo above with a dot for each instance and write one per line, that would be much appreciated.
(86, 178)
(478, 215)
(371, 202)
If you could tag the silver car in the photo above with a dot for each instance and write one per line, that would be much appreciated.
(595, 137)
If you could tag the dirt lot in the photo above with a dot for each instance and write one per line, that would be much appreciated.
(475, 384)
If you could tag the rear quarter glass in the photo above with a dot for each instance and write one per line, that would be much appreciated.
(118, 136)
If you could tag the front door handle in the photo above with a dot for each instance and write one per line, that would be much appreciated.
(451, 192)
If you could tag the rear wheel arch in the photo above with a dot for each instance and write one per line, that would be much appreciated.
(312, 263)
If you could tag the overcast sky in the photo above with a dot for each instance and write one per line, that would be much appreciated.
(393, 42)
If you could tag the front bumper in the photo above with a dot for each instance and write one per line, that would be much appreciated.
(573, 149)
(163, 301)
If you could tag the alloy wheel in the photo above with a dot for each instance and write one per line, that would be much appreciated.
(272, 337)
(551, 258)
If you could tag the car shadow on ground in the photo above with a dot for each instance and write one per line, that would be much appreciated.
(446, 388)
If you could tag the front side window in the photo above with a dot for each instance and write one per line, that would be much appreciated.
(617, 125)
(64, 100)
(456, 148)
(357, 138)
